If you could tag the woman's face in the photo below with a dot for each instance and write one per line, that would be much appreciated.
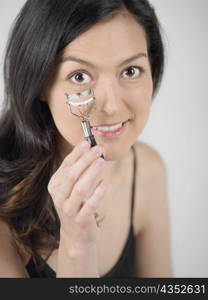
(112, 58)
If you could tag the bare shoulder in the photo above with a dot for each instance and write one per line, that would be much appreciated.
(10, 261)
(151, 217)
(150, 161)
(150, 184)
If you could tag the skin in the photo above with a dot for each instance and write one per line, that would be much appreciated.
(121, 92)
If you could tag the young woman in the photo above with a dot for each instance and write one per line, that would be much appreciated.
(64, 210)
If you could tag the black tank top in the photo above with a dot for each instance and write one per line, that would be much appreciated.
(126, 263)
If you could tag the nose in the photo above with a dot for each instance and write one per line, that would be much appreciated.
(109, 98)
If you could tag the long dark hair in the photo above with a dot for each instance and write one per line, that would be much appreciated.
(28, 147)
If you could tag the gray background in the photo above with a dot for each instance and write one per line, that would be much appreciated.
(177, 126)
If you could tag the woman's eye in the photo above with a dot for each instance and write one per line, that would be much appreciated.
(133, 72)
(80, 78)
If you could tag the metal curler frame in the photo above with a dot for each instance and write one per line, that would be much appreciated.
(85, 114)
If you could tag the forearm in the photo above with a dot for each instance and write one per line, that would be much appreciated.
(77, 264)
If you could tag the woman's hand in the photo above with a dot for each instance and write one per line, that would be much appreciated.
(76, 192)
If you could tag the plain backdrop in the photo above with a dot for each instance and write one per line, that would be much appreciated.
(177, 125)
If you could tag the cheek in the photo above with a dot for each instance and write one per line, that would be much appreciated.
(58, 107)
(141, 98)
(67, 125)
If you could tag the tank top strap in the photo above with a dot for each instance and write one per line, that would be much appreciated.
(133, 182)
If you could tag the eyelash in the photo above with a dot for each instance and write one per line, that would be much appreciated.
(141, 70)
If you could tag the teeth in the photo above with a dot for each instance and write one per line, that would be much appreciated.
(109, 128)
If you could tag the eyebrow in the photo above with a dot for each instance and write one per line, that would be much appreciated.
(81, 61)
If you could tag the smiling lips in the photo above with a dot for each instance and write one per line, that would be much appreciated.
(109, 129)
(109, 125)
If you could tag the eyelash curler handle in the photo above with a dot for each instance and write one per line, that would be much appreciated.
(88, 134)
(92, 141)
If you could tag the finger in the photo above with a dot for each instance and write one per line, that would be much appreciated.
(84, 188)
(55, 186)
(75, 154)
(92, 205)
(71, 158)
(70, 176)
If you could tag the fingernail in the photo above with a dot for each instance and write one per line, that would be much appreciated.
(97, 149)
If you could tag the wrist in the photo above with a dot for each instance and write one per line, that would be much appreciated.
(77, 260)
(76, 248)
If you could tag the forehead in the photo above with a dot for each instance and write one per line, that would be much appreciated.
(116, 38)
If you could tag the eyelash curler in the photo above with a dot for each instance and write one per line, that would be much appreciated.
(84, 103)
